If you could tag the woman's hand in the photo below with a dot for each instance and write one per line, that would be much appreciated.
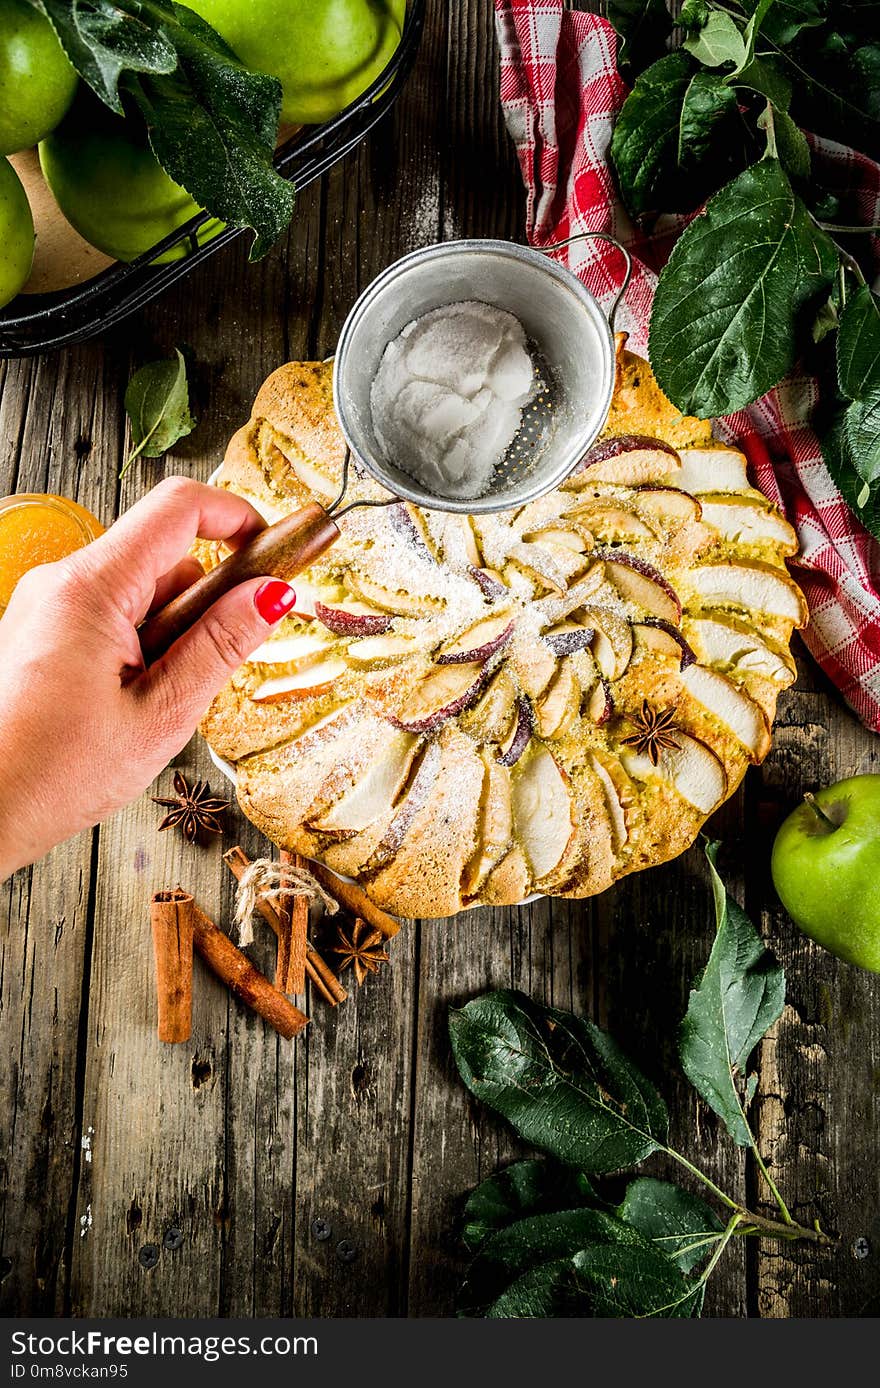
(84, 728)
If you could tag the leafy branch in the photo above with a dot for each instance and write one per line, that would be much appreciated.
(758, 280)
(544, 1241)
(211, 123)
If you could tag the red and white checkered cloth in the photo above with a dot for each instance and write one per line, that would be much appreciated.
(561, 91)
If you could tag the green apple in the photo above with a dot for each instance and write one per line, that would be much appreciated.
(37, 82)
(16, 233)
(324, 52)
(826, 869)
(111, 187)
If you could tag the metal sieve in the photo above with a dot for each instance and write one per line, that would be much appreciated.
(569, 337)
(572, 347)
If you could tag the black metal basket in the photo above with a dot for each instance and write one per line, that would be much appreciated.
(35, 323)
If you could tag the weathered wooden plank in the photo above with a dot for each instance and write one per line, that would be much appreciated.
(818, 1110)
(43, 945)
(46, 910)
(153, 1113)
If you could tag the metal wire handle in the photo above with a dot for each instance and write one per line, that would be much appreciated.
(612, 241)
(352, 505)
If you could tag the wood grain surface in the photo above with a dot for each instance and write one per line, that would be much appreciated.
(245, 1175)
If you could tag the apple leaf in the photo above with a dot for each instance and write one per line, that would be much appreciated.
(157, 405)
(212, 123)
(646, 133)
(862, 425)
(762, 75)
(524, 1188)
(791, 145)
(860, 497)
(725, 317)
(212, 127)
(682, 1225)
(738, 997)
(562, 1083)
(103, 40)
(718, 41)
(858, 345)
(580, 1262)
(785, 19)
(707, 99)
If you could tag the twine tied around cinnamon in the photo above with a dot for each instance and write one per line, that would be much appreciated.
(268, 880)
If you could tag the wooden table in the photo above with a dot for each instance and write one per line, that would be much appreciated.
(203, 1179)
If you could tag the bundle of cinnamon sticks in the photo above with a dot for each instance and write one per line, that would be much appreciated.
(180, 928)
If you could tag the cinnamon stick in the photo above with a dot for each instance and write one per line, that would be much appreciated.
(355, 900)
(293, 919)
(240, 976)
(322, 976)
(171, 918)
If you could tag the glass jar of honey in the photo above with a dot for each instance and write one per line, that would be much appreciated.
(37, 529)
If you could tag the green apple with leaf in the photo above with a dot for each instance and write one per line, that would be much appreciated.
(16, 233)
(826, 869)
(324, 52)
(37, 82)
(110, 186)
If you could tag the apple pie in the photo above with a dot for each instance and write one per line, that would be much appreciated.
(468, 709)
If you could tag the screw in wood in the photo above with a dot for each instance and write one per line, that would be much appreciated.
(148, 1255)
(321, 1230)
(346, 1251)
(172, 1238)
(861, 1248)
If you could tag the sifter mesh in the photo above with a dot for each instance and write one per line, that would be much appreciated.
(569, 338)
(529, 443)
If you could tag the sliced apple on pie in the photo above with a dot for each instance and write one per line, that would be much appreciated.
(751, 586)
(690, 767)
(543, 812)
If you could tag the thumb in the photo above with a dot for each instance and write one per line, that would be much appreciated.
(195, 668)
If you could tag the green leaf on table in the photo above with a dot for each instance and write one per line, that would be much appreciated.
(157, 405)
(682, 1225)
(725, 317)
(572, 1262)
(563, 1084)
(625, 1281)
(719, 41)
(862, 424)
(212, 126)
(643, 26)
(644, 145)
(103, 41)
(524, 1188)
(707, 99)
(737, 998)
(858, 344)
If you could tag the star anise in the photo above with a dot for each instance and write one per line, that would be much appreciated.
(362, 948)
(192, 810)
(654, 731)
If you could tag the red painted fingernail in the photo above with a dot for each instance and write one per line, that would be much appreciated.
(274, 599)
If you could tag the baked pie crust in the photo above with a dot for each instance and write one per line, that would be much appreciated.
(466, 710)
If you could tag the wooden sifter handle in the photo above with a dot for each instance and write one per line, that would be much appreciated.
(280, 551)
